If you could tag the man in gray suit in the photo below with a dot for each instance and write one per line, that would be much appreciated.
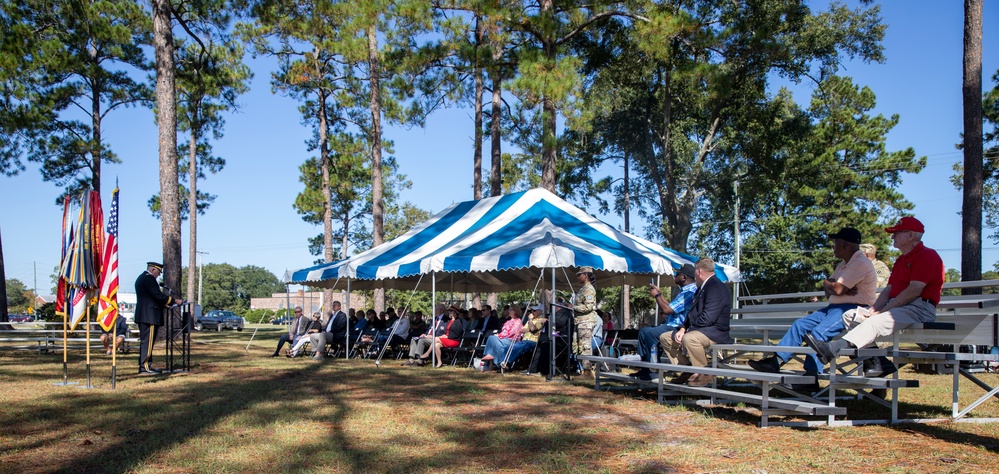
(334, 328)
(296, 330)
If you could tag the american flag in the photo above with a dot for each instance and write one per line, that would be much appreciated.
(109, 269)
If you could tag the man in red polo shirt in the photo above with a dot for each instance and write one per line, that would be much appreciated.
(911, 296)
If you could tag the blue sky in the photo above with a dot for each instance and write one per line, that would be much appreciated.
(252, 222)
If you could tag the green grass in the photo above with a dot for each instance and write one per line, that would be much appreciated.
(239, 411)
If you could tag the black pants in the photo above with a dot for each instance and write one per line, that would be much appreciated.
(542, 356)
(284, 339)
(147, 337)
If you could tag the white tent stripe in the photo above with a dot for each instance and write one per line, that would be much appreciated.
(494, 243)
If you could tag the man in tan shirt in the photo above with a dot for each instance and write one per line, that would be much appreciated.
(851, 285)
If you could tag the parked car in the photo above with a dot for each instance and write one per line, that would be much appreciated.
(282, 320)
(20, 318)
(219, 320)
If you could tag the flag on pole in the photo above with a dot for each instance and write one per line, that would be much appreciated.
(81, 268)
(77, 307)
(96, 239)
(109, 269)
(60, 305)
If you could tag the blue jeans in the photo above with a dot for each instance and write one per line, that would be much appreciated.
(497, 348)
(649, 337)
(520, 348)
(823, 324)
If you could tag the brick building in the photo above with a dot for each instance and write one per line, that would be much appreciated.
(309, 301)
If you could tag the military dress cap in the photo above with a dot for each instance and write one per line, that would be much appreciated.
(158, 266)
(687, 269)
(585, 270)
(906, 223)
(848, 234)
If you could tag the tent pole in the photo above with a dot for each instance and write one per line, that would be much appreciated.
(551, 331)
(433, 318)
(346, 337)
(655, 306)
(403, 312)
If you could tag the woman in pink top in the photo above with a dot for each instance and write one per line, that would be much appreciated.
(498, 345)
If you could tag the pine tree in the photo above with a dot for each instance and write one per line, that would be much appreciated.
(63, 60)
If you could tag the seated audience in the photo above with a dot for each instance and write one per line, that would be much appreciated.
(334, 329)
(416, 325)
(118, 332)
(420, 344)
(295, 331)
(315, 326)
(535, 323)
(450, 339)
(374, 321)
(706, 324)
(498, 345)
(674, 314)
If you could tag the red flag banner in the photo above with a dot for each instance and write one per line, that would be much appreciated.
(60, 305)
(109, 269)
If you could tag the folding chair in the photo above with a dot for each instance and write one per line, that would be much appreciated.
(469, 344)
(337, 347)
(361, 347)
(469, 339)
(480, 344)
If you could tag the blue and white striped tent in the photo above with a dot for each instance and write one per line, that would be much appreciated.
(503, 243)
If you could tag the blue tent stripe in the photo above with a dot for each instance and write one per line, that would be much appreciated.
(416, 241)
(505, 233)
(542, 210)
(369, 269)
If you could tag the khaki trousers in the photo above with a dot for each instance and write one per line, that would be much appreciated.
(863, 331)
(695, 344)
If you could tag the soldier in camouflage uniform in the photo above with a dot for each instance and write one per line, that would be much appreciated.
(585, 309)
(880, 268)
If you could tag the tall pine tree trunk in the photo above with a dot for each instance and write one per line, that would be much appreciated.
(971, 209)
(377, 204)
(548, 148)
(192, 204)
(3, 287)
(495, 124)
(548, 153)
(324, 158)
(167, 119)
(495, 140)
(96, 152)
(479, 89)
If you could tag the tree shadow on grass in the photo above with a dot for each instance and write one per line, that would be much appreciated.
(945, 431)
(149, 419)
(545, 432)
(143, 424)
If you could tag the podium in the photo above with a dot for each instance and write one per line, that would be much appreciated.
(179, 320)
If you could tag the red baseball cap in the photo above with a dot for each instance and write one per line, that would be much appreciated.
(906, 223)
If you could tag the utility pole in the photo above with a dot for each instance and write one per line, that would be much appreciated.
(738, 248)
(201, 265)
(626, 290)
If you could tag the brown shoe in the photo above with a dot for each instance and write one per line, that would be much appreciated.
(682, 378)
(701, 380)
